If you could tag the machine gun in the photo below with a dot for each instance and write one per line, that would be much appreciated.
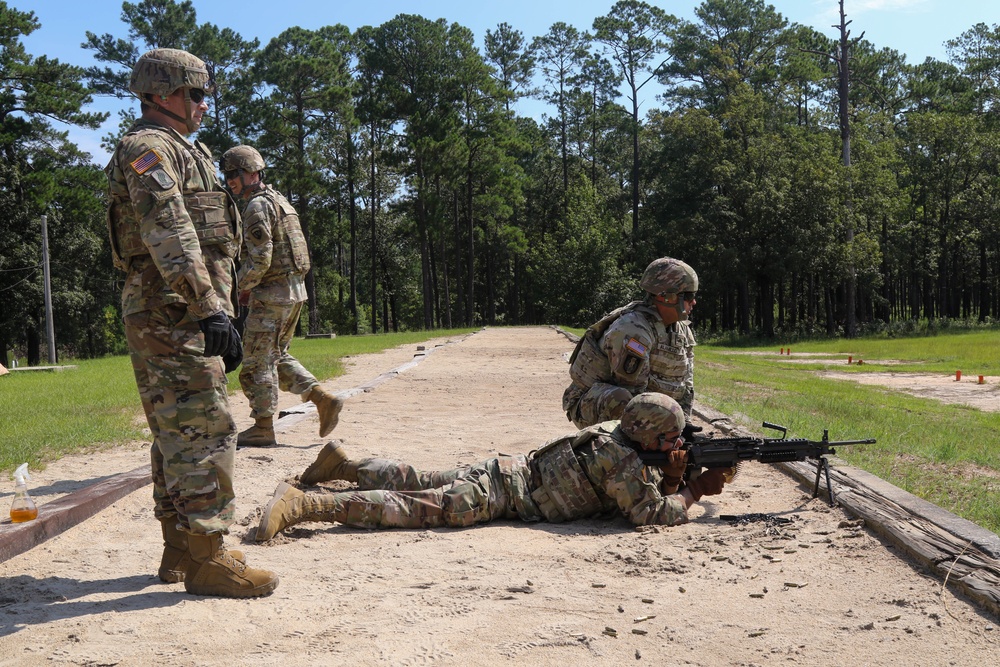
(730, 452)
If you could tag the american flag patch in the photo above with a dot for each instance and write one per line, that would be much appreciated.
(146, 161)
(635, 346)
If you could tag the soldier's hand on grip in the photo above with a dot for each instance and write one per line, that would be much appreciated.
(673, 472)
(217, 330)
(708, 483)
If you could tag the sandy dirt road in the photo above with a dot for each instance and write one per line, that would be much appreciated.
(820, 590)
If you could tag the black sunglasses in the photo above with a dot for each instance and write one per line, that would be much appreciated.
(231, 174)
(689, 296)
(197, 95)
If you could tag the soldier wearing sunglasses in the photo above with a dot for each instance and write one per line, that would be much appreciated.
(175, 232)
(645, 346)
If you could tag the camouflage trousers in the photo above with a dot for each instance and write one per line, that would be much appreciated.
(599, 403)
(184, 397)
(397, 495)
(603, 402)
(267, 364)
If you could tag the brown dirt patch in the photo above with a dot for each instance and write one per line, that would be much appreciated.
(939, 386)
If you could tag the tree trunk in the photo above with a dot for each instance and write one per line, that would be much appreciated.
(425, 259)
(459, 257)
(34, 340)
(353, 301)
(743, 306)
(983, 301)
(470, 251)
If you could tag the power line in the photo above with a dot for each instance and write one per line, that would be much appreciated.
(23, 268)
(23, 280)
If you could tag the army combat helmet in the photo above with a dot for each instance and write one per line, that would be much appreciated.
(671, 278)
(160, 72)
(668, 276)
(241, 157)
(651, 419)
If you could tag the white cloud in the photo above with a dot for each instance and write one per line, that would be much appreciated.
(861, 6)
(828, 11)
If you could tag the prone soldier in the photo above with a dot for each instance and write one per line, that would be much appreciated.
(584, 474)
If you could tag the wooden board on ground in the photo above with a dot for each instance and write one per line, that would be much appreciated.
(958, 551)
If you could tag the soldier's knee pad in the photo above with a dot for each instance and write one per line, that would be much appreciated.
(613, 402)
(604, 402)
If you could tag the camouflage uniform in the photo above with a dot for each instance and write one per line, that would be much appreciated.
(175, 233)
(631, 350)
(276, 260)
(588, 473)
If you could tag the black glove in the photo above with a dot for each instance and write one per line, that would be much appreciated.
(217, 329)
(234, 354)
(690, 432)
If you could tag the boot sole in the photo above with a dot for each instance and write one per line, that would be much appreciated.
(338, 407)
(171, 576)
(226, 592)
(279, 493)
(310, 476)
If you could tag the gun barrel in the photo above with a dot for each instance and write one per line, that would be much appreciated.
(866, 441)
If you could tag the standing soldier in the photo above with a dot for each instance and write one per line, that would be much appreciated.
(175, 233)
(271, 282)
(644, 346)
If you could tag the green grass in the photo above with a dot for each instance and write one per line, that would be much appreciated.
(973, 353)
(48, 415)
(947, 454)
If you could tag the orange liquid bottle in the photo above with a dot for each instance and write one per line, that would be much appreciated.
(22, 514)
(23, 509)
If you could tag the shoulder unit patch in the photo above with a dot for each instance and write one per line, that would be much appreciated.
(146, 161)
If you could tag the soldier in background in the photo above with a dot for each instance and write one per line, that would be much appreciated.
(591, 472)
(644, 346)
(175, 232)
(271, 282)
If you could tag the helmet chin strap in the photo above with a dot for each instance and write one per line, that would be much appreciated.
(249, 188)
(680, 307)
(188, 121)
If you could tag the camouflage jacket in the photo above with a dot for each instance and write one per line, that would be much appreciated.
(275, 257)
(633, 349)
(593, 471)
(173, 227)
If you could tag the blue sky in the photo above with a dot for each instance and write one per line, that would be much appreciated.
(917, 28)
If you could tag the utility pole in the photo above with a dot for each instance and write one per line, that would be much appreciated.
(50, 331)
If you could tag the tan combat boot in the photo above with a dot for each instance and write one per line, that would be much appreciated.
(261, 434)
(332, 463)
(327, 405)
(214, 571)
(290, 506)
(176, 557)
